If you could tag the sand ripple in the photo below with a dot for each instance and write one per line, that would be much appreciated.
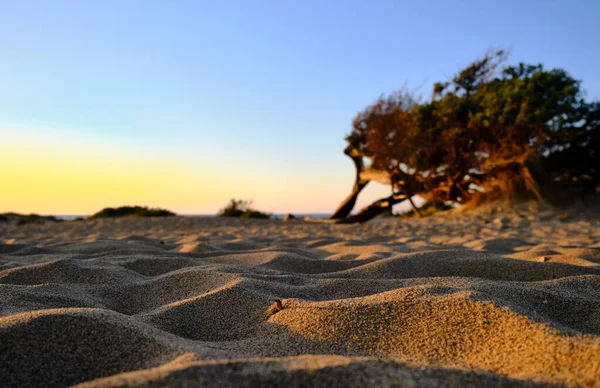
(434, 302)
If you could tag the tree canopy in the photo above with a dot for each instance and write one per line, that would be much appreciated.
(493, 130)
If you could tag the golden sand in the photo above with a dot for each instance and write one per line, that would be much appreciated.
(486, 298)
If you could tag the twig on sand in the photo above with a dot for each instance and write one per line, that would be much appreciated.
(278, 304)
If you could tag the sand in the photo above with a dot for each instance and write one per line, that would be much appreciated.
(462, 299)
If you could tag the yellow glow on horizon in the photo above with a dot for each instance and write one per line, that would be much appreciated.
(53, 172)
(72, 177)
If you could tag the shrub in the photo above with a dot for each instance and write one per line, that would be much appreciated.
(131, 211)
(241, 208)
(23, 219)
(255, 214)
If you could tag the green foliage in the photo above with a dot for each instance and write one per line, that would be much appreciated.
(241, 208)
(131, 211)
(492, 127)
(235, 208)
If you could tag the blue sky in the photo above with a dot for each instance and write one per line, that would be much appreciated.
(261, 93)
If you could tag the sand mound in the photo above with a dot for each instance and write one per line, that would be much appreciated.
(301, 264)
(171, 287)
(154, 266)
(302, 371)
(23, 250)
(452, 329)
(85, 344)
(497, 245)
(195, 302)
(461, 263)
(17, 299)
(227, 313)
(67, 271)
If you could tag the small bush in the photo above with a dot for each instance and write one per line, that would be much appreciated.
(23, 219)
(255, 214)
(131, 211)
(235, 208)
(241, 208)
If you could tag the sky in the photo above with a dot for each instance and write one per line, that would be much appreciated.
(185, 104)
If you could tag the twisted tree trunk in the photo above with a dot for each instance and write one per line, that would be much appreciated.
(363, 176)
(373, 210)
(348, 204)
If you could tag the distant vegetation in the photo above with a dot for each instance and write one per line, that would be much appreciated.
(22, 219)
(492, 131)
(131, 211)
(241, 208)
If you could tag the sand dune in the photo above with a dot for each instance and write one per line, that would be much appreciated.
(463, 300)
